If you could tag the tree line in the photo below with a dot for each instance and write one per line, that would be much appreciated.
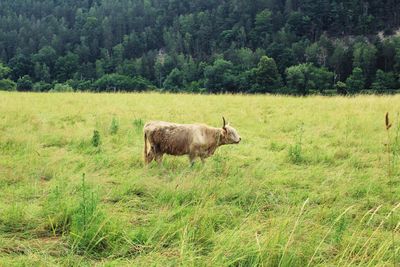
(259, 46)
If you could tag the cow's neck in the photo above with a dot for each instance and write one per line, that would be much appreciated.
(221, 138)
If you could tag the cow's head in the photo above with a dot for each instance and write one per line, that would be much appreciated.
(231, 136)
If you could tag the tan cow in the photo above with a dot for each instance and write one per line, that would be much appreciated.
(194, 140)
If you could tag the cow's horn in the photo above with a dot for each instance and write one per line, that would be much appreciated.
(224, 122)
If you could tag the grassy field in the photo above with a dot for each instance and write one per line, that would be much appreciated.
(310, 184)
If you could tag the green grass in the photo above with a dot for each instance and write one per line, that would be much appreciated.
(308, 185)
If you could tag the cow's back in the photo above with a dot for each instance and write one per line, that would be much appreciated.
(169, 138)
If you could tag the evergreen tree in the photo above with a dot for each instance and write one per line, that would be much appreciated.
(384, 81)
(4, 71)
(268, 78)
(174, 80)
(298, 78)
(356, 81)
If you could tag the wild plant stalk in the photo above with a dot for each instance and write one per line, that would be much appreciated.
(390, 176)
(295, 151)
(349, 250)
(326, 235)
(380, 252)
(84, 199)
(389, 151)
(364, 247)
(293, 230)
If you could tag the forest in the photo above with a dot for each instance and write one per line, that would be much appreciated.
(215, 46)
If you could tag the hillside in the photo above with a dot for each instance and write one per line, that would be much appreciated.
(214, 46)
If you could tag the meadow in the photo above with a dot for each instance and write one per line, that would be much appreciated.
(314, 182)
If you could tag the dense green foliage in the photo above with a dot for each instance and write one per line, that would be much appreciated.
(197, 45)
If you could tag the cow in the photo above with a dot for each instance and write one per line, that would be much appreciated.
(194, 140)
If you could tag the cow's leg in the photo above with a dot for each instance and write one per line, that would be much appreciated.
(159, 157)
(148, 153)
(192, 158)
(150, 156)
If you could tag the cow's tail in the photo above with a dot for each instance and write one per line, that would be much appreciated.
(145, 148)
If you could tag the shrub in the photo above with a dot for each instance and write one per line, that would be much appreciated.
(138, 124)
(112, 82)
(304, 77)
(58, 209)
(96, 138)
(7, 85)
(174, 80)
(13, 218)
(118, 82)
(341, 88)
(24, 84)
(42, 87)
(296, 151)
(139, 84)
(62, 87)
(81, 85)
(79, 218)
(88, 223)
(114, 126)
